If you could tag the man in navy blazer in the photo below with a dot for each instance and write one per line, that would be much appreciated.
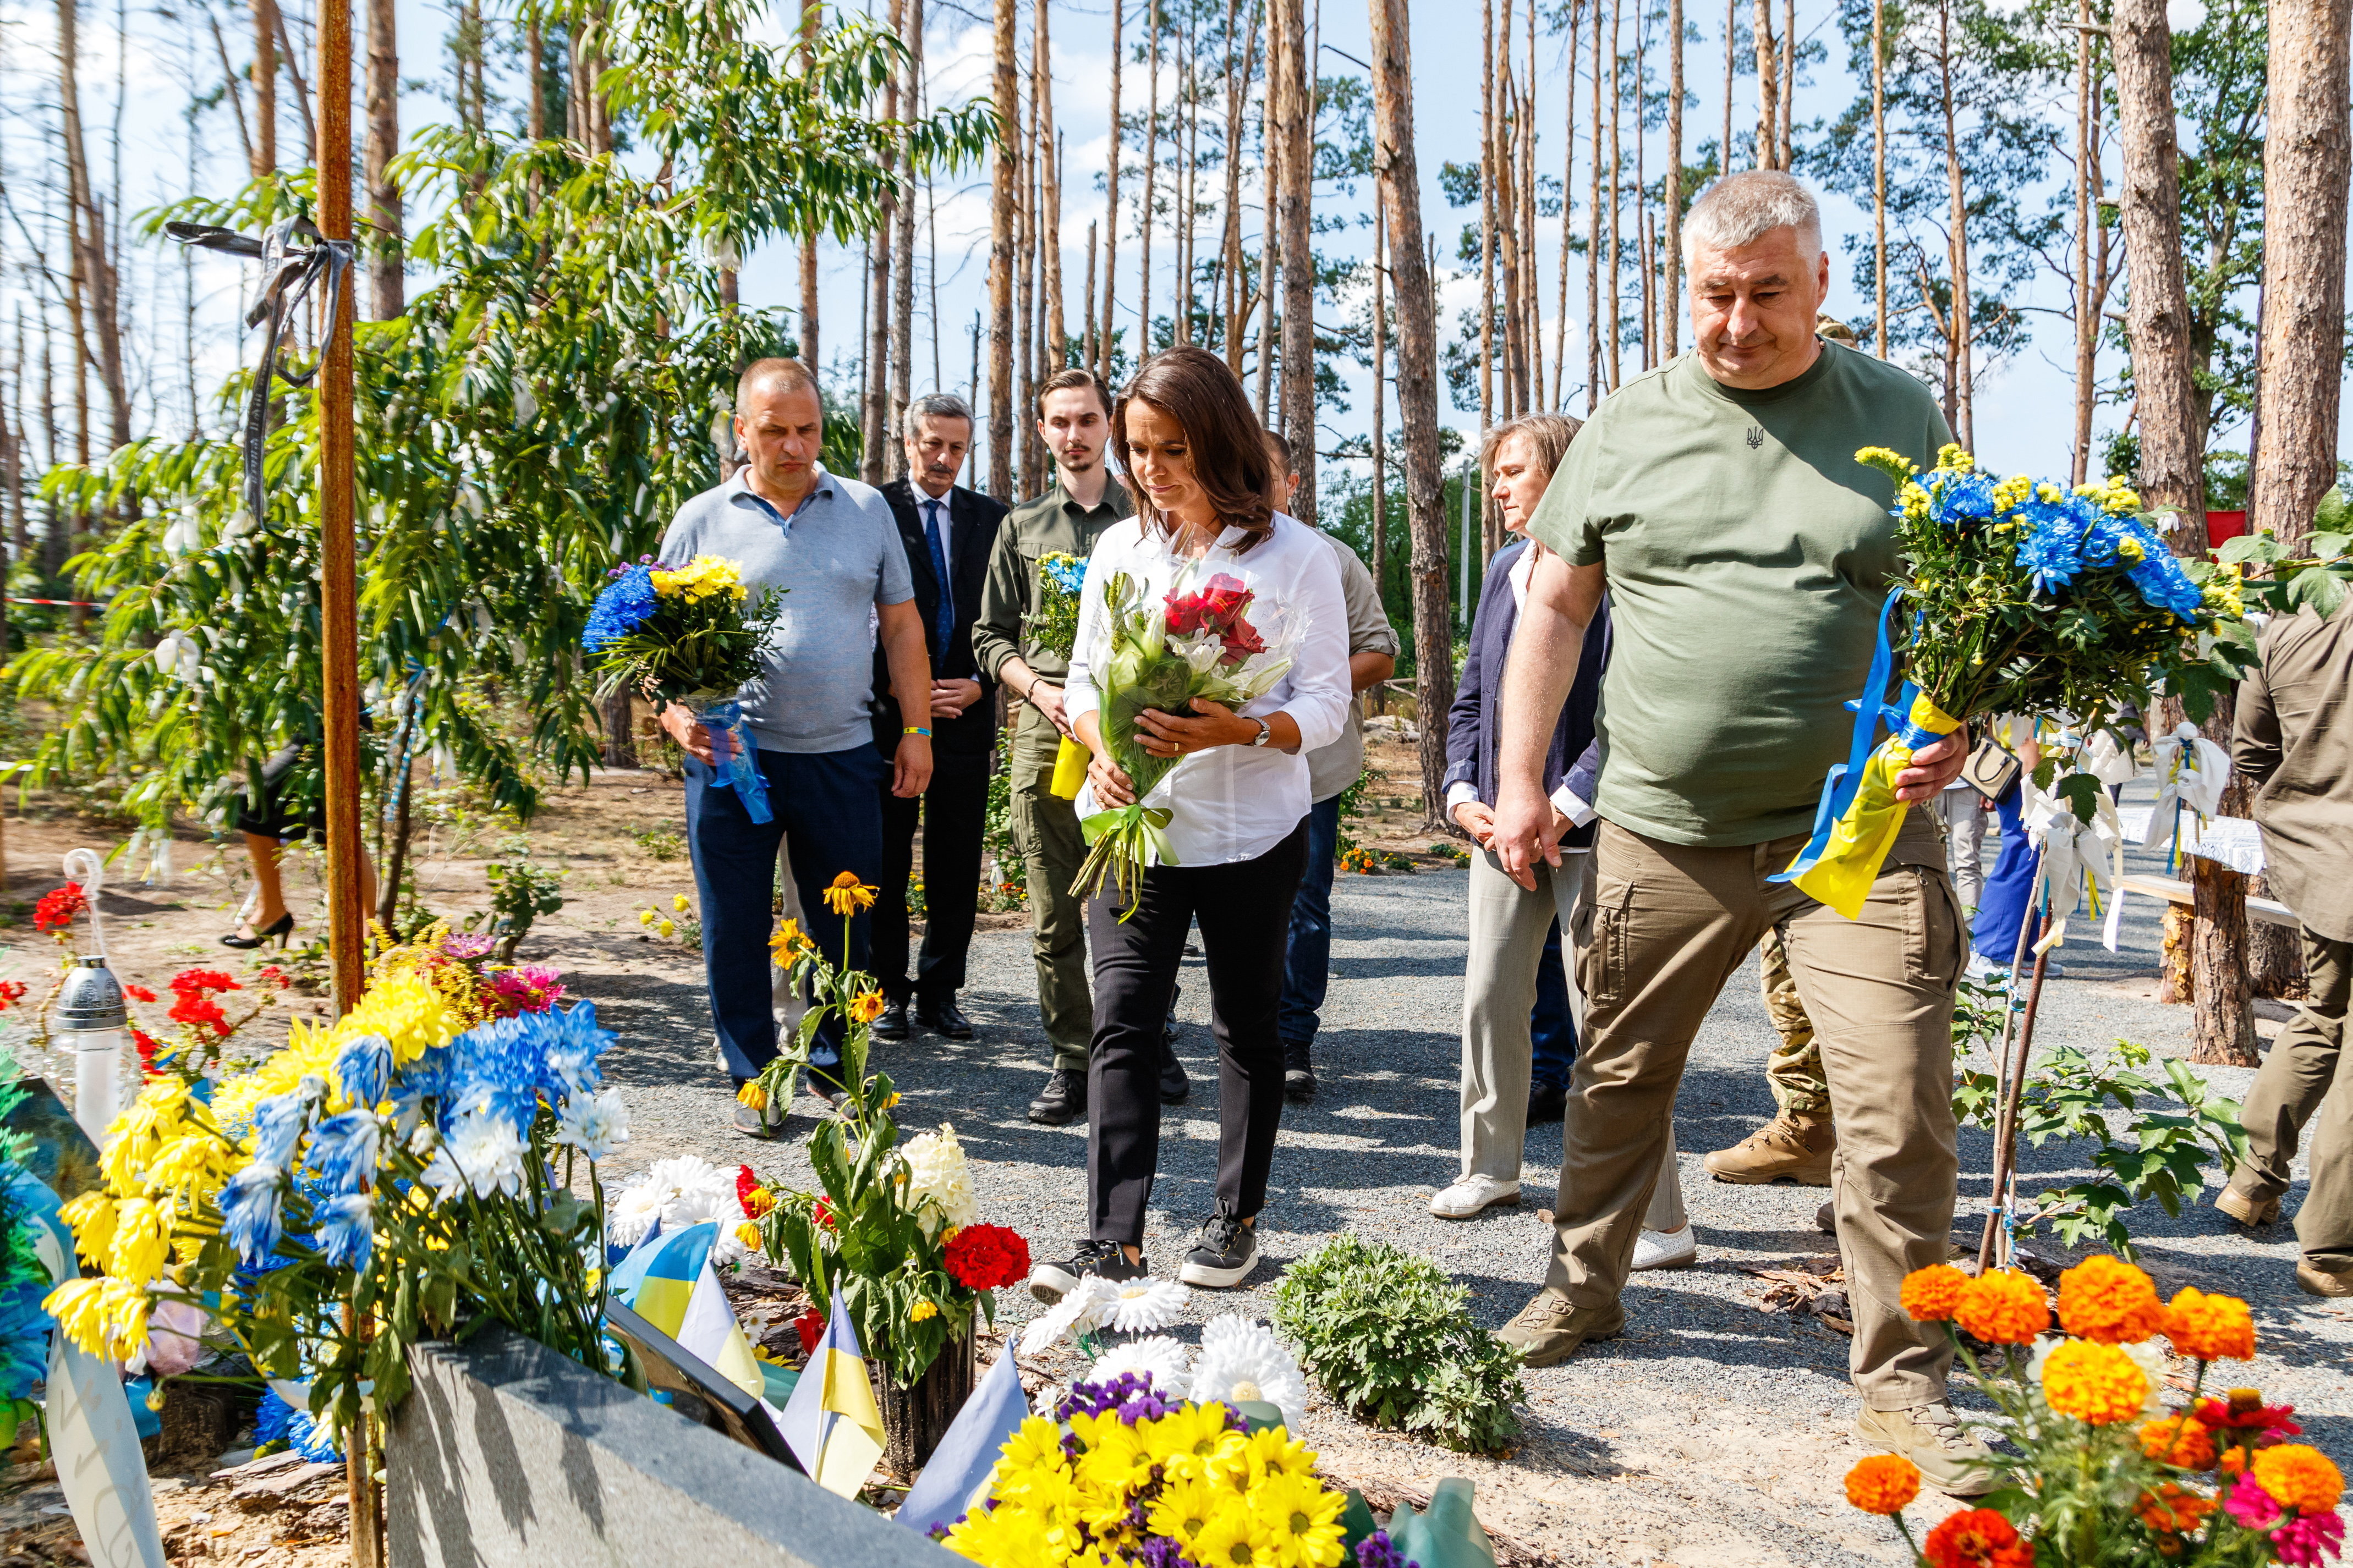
(948, 532)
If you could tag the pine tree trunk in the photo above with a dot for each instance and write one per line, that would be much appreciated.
(2306, 161)
(1731, 51)
(1005, 170)
(1295, 138)
(1148, 219)
(1025, 291)
(1956, 229)
(1417, 374)
(1615, 267)
(1101, 361)
(1567, 184)
(1879, 166)
(1673, 322)
(1593, 388)
(810, 353)
(1769, 89)
(1380, 561)
(903, 285)
(265, 87)
(2274, 954)
(1230, 250)
(874, 461)
(386, 285)
(1486, 226)
(1087, 342)
(1270, 245)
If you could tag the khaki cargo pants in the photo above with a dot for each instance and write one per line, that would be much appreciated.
(2302, 1079)
(1659, 931)
(1046, 830)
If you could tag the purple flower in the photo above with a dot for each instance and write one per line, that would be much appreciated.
(2249, 1504)
(2308, 1538)
(468, 947)
(1130, 1394)
(1161, 1552)
(1374, 1551)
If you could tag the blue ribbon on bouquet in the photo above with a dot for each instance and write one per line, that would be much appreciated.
(1844, 780)
(730, 739)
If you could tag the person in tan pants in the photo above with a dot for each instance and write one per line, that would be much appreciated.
(1746, 557)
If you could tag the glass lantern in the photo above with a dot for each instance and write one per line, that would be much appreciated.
(89, 1021)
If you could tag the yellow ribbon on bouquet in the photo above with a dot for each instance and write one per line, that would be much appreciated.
(1860, 817)
(1070, 770)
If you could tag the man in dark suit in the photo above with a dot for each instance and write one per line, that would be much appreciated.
(948, 532)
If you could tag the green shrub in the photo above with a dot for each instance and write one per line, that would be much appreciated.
(1390, 1338)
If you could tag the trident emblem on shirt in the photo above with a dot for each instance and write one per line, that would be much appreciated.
(1756, 437)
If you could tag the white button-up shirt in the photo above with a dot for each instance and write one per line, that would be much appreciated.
(1231, 803)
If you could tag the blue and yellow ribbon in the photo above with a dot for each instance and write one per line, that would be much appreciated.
(1860, 817)
(740, 766)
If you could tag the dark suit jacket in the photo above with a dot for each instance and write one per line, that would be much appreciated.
(971, 534)
(1472, 729)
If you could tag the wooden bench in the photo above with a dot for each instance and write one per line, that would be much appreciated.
(2271, 912)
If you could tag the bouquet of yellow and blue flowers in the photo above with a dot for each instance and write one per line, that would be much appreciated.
(692, 634)
(2025, 598)
(1053, 626)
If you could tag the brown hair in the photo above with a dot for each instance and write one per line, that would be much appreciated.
(1547, 436)
(1226, 447)
(1065, 380)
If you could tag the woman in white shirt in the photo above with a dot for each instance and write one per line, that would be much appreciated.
(1237, 800)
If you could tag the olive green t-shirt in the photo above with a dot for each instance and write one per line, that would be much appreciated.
(1747, 555)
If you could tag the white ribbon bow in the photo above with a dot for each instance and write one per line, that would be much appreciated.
(2191, 772)
(2078, 858)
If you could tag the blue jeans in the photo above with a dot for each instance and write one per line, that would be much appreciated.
(1552, 1028)
(1307, 970)
(2001, 907)
(828, 807)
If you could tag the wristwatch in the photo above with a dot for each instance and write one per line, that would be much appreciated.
(1265, 731)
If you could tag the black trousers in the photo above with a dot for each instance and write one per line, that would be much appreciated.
(953, 810)
(1243, 909)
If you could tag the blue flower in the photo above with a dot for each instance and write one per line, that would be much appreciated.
(275, 1422)
(625, 605)
(2049, 552)
(277, 1124)
(345, 1228)
(573, 1042)
(2098, 545)
(343, 1151)
(363, 1068)
(2164, 584)
(1070, 576)
(1964, 498)
(252, 1213)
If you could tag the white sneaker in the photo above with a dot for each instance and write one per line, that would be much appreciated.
(1666, 1250)
(1472, 1194)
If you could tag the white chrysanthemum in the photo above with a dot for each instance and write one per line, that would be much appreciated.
(632, 1211)
(1141, 1306)
(679, 1193)
(596, 1124)
(489, 1154)
(939, 1179)
(1082, 1308)
(1243, 1361)
(1165, 1356)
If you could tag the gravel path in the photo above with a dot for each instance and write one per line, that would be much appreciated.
(1711, 1432)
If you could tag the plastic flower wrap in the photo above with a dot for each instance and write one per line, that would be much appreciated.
(2110, 1473)
(2020, 597)
(1054, 627)
(689, 633)
(409, 1170)
(1191, 645)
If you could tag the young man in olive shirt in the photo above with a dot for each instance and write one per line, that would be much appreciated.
(1074, 421)
(1748, 554)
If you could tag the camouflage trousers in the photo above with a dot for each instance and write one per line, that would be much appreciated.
(1794, 1070)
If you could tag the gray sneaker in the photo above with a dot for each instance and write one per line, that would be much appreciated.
(1931, 1437)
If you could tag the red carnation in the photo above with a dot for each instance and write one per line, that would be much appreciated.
(139, 993)
(57, 908)
(198, 1010)
(823, 1213)
(11, 993)
(147, 1048)
(988, 1257)
(810, 1326)
(199, 981)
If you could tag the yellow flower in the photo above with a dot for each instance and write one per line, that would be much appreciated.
(106, 1317)
(892, 1103)
(848, 894)
(1235, 1538)
(921, 1312)
(1952, 454)
(1302, 1516)
(1184, 1508)
(1037, 1443)
(2209, 1328)
(93, 1216)
(2098, 1384)
(142, 1239)
(700, 579)
(749, 1235)
(789, 943)
(759, 1201)
(1269, 1451)
(867, 1007)
(647, 917)
(666, 929)
(677, 902)
(1192, 1439)
(2003, 1307)
(752, 1095)
(2109, 1301)
(409, 1012)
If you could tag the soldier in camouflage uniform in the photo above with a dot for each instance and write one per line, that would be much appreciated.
(1796, 1145)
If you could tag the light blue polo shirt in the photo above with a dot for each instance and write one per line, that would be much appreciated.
(838, 557)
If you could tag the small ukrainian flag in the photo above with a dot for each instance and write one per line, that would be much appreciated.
(831, 1421)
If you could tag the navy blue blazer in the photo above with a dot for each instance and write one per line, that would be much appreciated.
(1472, 734)
(971, 534)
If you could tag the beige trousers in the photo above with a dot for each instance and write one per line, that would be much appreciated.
(1659, 931)
(1508, 924)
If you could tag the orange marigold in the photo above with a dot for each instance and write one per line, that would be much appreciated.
(1931, 1294)
(1883, 1483)
(2003, 1307)
(1977, 1538)
(2109, 1302)
(2173, 1511)
(2298, 1475)
(2180, 1440)
(2210, 1327)
(2098, 1384)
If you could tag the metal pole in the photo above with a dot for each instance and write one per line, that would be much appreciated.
(339, 655)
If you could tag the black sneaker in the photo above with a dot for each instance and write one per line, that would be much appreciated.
(1223, 1255)
(1049, 1282)
(892, 1026)
(1546, 1102)
(1064, 1099)
(1298, 1073)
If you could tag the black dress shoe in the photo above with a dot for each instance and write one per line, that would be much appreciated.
(1298, 1073)
(892, 1025)
(1547, 1102)
(1175, 1086)
(944, 1017)
(1062, 1100)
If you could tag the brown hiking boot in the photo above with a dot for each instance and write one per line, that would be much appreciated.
(1551, 1328)
(1932, 1437)
(1795, 1146)
(2249, 1208)
(2314, 1280)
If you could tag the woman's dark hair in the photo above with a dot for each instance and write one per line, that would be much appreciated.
(1222, 437)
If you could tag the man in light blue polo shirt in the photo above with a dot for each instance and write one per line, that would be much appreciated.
(831, 542)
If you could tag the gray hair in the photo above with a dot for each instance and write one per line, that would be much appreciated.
(933, 406)
(1741, 209)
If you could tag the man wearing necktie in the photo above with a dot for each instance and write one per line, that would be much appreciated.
(948, 532)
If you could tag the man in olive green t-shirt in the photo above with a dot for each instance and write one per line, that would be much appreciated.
(1747, 556)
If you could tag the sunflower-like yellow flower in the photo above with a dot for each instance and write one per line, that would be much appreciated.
(1036, 1444)
(848, 894)
(701, 579)
(752, 1095)
(1184, 1508)
(1302, 1516)
(1269, 1451)
(867, 1007)
(921, 1312)
(1236, 1537)
(789, 943)
(1193, 1441)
